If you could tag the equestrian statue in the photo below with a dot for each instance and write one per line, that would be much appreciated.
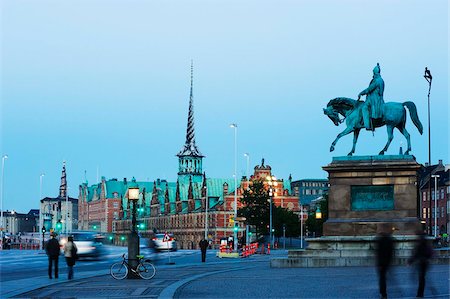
(371, 114)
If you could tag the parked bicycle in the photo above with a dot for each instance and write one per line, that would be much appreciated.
(144, 269)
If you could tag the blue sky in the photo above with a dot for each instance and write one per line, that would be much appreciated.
(105, 85)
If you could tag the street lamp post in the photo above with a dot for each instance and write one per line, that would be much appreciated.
(429, 79)
(318, 214)
(4, 157)
(234, 126)
(435, 176)
(67, 211)
(41, 212)
(206, 212)
(301, 226)
(272, 182)
(133, 240)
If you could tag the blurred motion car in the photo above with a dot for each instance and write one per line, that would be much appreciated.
(89, 244)
(160, 244)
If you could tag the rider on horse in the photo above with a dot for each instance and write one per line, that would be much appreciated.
(372, 109)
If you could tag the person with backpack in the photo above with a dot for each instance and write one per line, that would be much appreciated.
(70, 252)
(53, 251)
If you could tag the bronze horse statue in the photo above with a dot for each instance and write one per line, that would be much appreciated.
(394, 116)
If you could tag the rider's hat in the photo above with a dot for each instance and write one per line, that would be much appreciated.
(376, 70)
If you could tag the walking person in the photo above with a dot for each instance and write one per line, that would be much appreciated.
(203, 246)
(384, 253)
(422, 255)
(52, 250)
(70, 252)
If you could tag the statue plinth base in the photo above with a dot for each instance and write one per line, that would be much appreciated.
(367, 192)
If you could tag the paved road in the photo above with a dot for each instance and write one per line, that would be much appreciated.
(248, 278)
(23, 270)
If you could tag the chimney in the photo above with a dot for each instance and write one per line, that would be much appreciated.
(440, 162)
(426, 164)
(125, 181)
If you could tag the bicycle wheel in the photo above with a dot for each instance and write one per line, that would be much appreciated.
(146, 270)
(119, 270)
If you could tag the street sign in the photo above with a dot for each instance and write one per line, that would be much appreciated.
(166, 237)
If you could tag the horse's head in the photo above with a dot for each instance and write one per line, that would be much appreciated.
(332, 114)
(338, 106)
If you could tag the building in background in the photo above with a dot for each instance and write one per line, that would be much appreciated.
(16, 223)
(100, 204)
(179, 207)
(309, 190)
(61, 212)
(428, 193)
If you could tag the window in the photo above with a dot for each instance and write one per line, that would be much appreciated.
(424, 213)
(442, 194)
(116, 205)
(424, 196)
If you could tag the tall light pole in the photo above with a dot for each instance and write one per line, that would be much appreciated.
(206, 211)
(133, 239)
(41, 213)
(435, 176)
(234, 126)
(429, 79)
(247, 155)
(4, 157)
(272, 182)
(301, 226)
(67, 211)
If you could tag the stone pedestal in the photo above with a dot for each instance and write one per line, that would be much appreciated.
(366, 194)
(369, 191)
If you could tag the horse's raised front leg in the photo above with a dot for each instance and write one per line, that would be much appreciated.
(390, 131)
(408, 139)
(343, 133)
(355, 139)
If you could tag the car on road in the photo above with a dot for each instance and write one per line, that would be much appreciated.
(160, 244)
(89, 244)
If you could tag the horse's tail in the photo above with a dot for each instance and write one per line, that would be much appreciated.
(413, 113)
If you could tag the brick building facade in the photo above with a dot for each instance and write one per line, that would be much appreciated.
(177, 207)
(439, 189)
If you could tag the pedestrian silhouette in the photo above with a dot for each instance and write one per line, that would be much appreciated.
(52, 250)
(384, 252)
(203, 246)
(422, 254)
(70, 252)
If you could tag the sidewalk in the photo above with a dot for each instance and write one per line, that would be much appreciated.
(249, 278)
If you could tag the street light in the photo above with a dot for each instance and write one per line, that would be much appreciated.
(234, 126)
(4, 157)
(318, 213)
(133, 240)
(301, 226)
(41, 214)
(272, 182)
(429, 78)
(435, 176)
(206, 211)
(67, 211)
